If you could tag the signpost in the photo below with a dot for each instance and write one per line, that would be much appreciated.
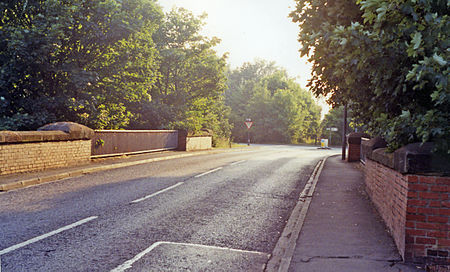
(248, 122)
(331, 129)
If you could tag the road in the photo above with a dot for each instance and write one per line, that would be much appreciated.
(220, 212)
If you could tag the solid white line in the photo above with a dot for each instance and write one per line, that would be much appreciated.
(128, 264)
(157, 193)
(36, 239)
(209, 172)
(238, 162)
(216, 247)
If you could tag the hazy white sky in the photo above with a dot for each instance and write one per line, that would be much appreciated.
(251, 29)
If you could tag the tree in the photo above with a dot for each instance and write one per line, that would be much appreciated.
(387, 58)
(74, 60)
(189, 93)
(281, 111)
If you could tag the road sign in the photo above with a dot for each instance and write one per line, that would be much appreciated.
(332, 129)
(248, 124)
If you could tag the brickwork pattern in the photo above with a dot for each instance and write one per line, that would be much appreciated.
(354, 152)
(428, 218)
(25, 157)
(416, 209)
(388, 190)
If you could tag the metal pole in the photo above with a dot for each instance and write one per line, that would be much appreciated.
(248, 137)
(344, 133)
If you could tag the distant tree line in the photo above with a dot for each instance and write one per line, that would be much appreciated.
(125, 64)
(388, 60)
(281, 111)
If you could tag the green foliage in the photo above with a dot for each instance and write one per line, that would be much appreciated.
(281, 111)
(189, 93)
(74, 60)
(389, 59)
(109, 64)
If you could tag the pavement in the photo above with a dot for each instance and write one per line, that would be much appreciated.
(340, 229)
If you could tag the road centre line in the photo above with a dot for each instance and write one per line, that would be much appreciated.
(157, 193)
(41, 237)
(209, 172)
(128, 264)
(238, 162)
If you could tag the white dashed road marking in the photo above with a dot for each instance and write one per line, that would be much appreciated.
(38, 238)
(238, 162)
(209, 172)
(157, 193)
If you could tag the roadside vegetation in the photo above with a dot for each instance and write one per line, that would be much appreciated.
(281, 111)
(126, 65)
(387, 60)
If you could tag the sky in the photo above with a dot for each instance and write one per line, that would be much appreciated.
(252, 29)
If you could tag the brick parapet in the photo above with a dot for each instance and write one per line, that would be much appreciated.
(416, 209)
(34, 156)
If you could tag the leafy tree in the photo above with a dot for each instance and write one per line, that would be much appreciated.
(281, 111)
(387, 58)
(74, 60)
(189, 93)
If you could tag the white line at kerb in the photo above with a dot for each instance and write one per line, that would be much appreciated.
(38, 238)
(157, 193)
(128, 264)
(209, 172)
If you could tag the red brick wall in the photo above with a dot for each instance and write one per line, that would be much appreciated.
(416, 209)
(428, 219)
(24, 157)
(354, 152)
(388, 190)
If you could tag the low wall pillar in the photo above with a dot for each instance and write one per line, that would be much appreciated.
(354, 146)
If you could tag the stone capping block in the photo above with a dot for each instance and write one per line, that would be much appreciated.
(10, 137)
(369, 146)
(76, 131)
(419, 158)
(62, 131)
(355, 137)
(416, 158)
(381, 155)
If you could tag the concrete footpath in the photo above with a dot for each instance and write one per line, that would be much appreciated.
(21, 180)
(342, 230)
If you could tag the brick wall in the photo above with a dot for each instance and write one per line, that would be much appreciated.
(388, 191)
(354, 151)
(23, 157)
(415, 208)
(428, 218)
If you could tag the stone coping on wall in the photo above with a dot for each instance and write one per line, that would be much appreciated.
(61, 131)
(11, 137)
(416, 158)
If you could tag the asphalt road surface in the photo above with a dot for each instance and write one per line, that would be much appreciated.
(221, 212)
